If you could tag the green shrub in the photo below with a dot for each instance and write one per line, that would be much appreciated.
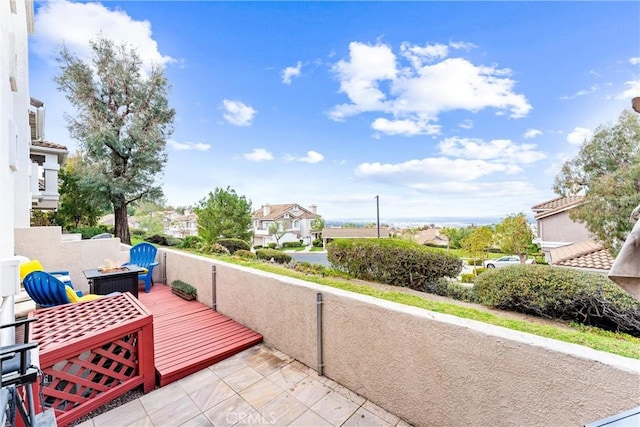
(295, 244)
(191, 242)
(158, 239)
(184, 287)
(474, 261)
(256, 247)
(214, 248)
(451, 290)
(234, 244)
(89, 232)
(560, 293)
(272, 254)
(242, 253)
(468, 278)
(392, 261)
(479, 270)
(317, 243)
(272, 245)
(174, 241)
(138, 232)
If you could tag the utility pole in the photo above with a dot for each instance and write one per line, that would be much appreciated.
(378, 214)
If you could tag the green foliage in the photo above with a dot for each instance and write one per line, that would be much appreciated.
(158, 239)
(392, 261)
(317, 224)
(184, 287)
(560, 293)
(224, 214)
(89, 232)
(174, 241)
(451, 290)
(214, 248)
(456, 235)
(122, 122)
(234, 244)
(40, 218)
(272, 245)
(478, 242)
(138, 232)
(474, 261)
(514, 235)
(77, 206)
(272, 254)
(277, 230)
(479, 270)
(467, 278)
(607, 170)
(191, 242)
(294, 244)
(245, 254)
(317, 243)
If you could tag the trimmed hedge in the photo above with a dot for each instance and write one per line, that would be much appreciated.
(452, 290)
(467, 278)
(294, 244)
(272, 254)
(560, 293)
(242, 253)
(214, 248)
(234, 244)
(392, 261)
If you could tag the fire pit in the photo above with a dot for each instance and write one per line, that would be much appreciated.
(103, 280)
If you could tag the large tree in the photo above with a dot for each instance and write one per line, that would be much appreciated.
(122, 122)
(607, 171)
(478, 242)
(77, 204)
(224, 214)
(514, 235)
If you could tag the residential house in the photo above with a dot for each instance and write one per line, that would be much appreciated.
(181, 226)
(46, 158)
(293, 219)
(565, 242)
(432, 237)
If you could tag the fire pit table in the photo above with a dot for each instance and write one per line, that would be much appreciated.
(120, 279)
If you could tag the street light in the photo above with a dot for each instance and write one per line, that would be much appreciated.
(378, 214)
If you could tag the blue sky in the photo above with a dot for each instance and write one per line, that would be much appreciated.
(443, 109)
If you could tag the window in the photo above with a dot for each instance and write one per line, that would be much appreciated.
(296, 225)
(287, 216)
(295, 208)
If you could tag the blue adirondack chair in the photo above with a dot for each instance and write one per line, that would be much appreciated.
(48, 291)
(144, 255)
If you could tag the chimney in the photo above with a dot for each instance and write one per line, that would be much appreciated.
(313, 208)
(266, 210)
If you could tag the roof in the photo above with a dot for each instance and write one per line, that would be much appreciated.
(556, 205)
(587, 254)
(47, 144)
(353, 233)
(431, 235)
(277, 212)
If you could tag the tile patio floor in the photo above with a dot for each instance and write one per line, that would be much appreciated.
(257, 387)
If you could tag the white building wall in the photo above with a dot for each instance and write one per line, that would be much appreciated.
(16, 17)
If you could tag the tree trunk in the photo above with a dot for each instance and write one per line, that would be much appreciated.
(122, 224)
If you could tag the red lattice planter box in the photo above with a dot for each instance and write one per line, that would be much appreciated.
(93, 352)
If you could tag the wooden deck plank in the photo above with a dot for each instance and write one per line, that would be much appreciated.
(212, 336)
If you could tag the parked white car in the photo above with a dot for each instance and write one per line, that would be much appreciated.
(506, 260)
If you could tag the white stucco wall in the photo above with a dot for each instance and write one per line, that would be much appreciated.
(14, 141)
(427, 368)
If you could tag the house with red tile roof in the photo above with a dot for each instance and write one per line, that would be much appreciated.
(293, 219)
(565, 242)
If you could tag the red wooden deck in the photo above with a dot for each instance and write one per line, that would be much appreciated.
(189, 336)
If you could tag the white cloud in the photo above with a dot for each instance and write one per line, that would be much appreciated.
(407, 127)
(466, 124)
(634, 60)
(532, 133)
(414, 95)
(498, 150)
(433, 169)
(633, 90)
(579, 136)
(90, 20)
(258, 155)
(188, 146)
(311, 157)
(291, 72)
(583, 92)
(237, 113)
